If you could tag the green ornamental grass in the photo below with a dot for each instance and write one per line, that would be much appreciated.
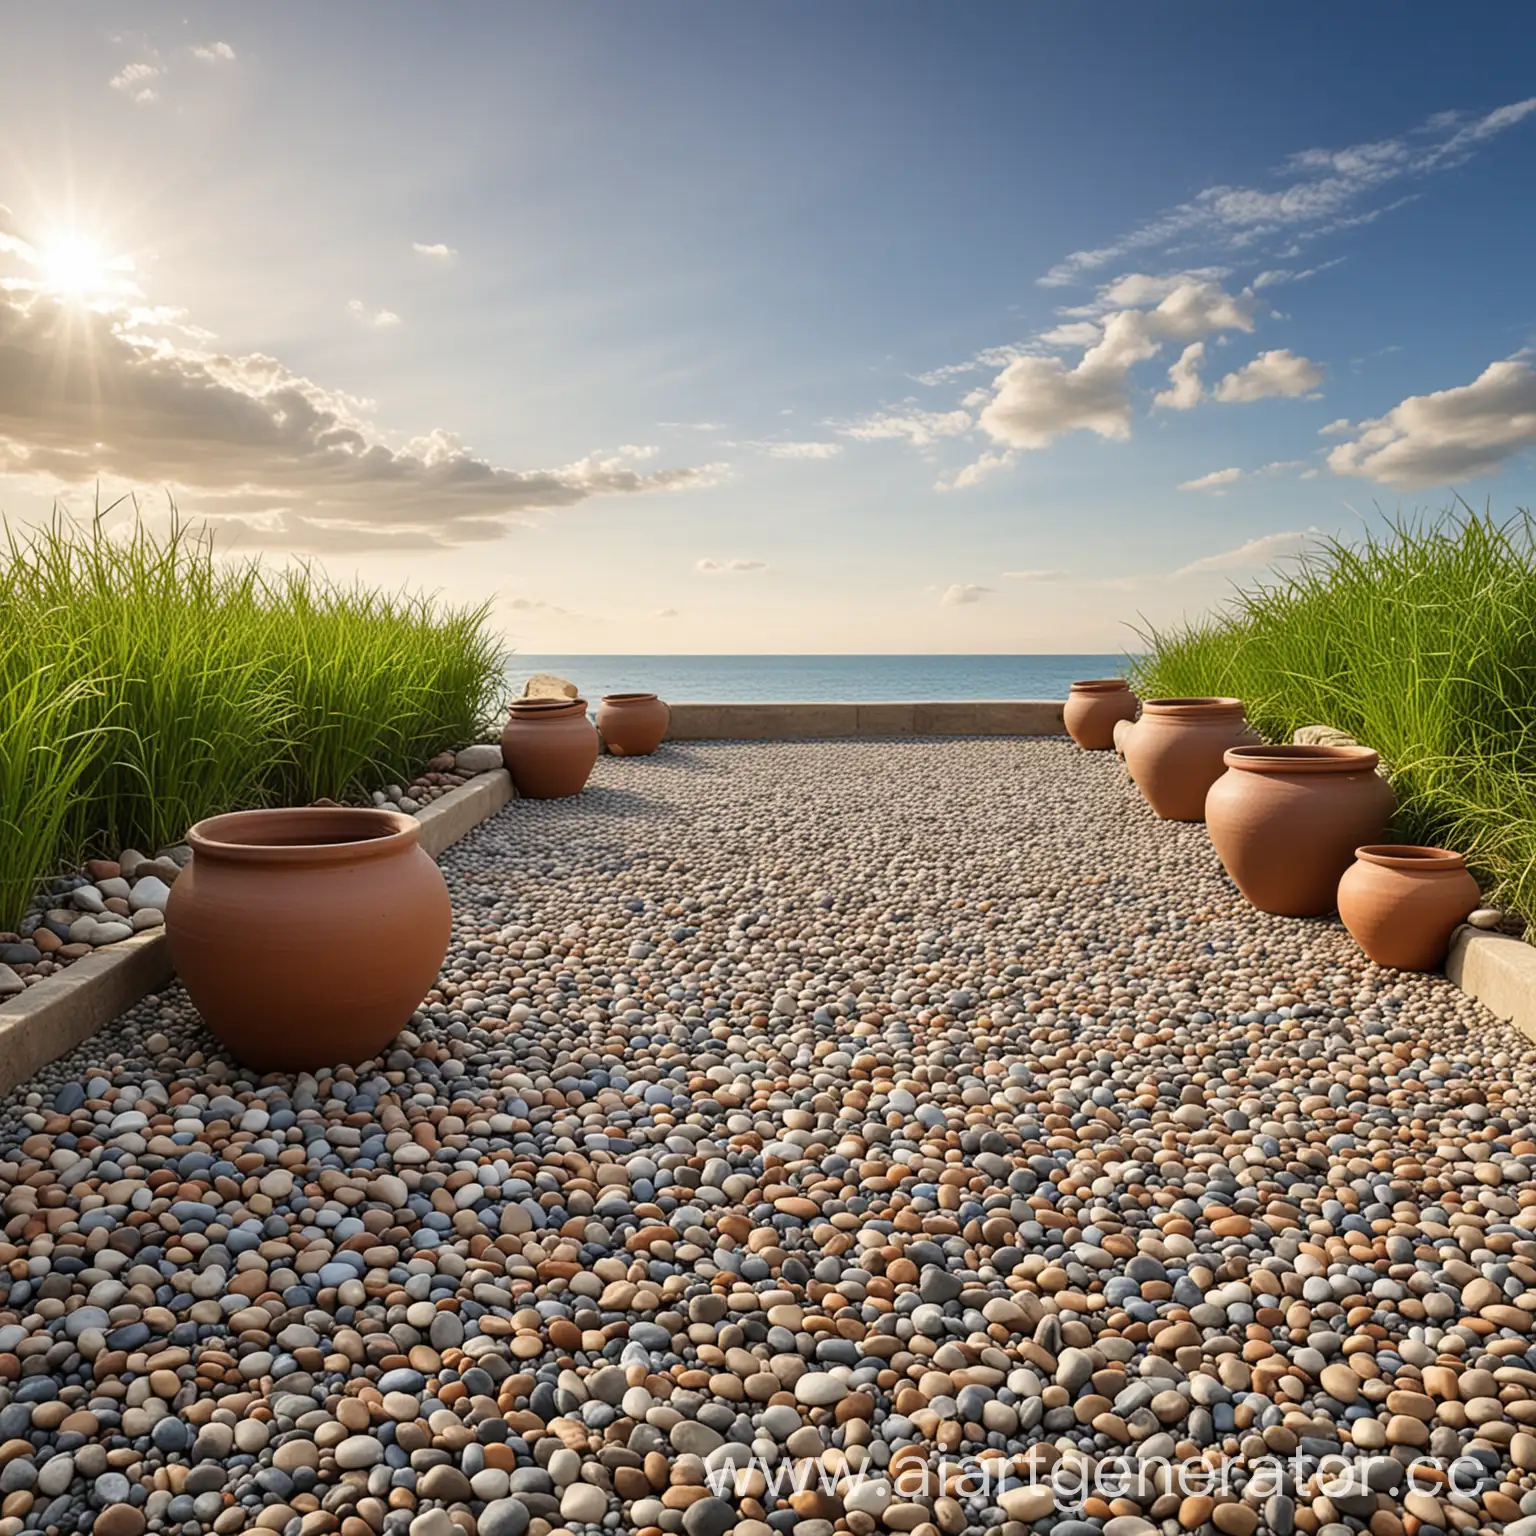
(146, 683)
(1421, 643)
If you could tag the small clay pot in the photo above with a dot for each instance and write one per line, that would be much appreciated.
(1401, 903)
(1286, 821)
(632, 724)
(1094, 708)
(549, 747)
(1176, 751)
(1122, 734)
(307, 937)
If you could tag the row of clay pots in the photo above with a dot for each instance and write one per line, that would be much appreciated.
(275, 906)
(550, 747)
(1298, 828)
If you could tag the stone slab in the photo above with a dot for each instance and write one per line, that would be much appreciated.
(49, 1020)
(1498, 970)
(805, 722)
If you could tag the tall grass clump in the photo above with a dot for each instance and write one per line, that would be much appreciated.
(1419, 642)
(145, 683)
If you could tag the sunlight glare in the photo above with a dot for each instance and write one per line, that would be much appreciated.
(74, 268)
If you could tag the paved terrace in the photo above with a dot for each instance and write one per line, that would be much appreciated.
(862, 1101)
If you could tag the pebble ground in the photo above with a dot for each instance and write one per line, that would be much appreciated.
(840, 1107)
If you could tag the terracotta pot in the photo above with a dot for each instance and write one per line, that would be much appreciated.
(1401, 904)
(632, 724)
(1093, 709)
(1175, 753)
(1286, 821)
(1122, 733)
(549, 747)
(308, 937)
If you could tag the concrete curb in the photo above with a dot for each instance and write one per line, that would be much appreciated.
(809, 722)
(49, 1020)
(461, 810)
(1499, 971)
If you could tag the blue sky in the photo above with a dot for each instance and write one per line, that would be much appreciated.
(713, 328)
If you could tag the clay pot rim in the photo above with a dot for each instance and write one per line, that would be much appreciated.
(1100, 685)
(1296, 758)
(534, 709)
(629, 698)
(304, 835)
(1193, 708)
(1411, 856)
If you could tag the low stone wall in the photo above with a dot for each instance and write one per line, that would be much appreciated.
(802, 722)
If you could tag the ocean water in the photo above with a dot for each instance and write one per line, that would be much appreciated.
(806, 679)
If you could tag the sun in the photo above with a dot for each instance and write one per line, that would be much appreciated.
(74, 268)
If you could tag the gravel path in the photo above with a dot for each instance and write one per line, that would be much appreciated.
(826, 1111)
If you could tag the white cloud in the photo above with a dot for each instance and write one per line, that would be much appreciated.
(1213, 481)
(1322, 190)
(1255, 553)
(1277, 275)
(975, 473)
(215, 52)
(988, 357)
(1034, 575)
(1071, 333)
(801, 450)
(1271, 373)
(1453, 434)
(1135, 290)
(961, 593)
(1219, 479)
(916, 426)
(1038, 398)
(247, 444)
(730, 567)
(134, 80)
(1185, 388)
(1336, 428)
(380, 319)
(437, 252)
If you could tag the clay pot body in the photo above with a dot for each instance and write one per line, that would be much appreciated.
(549, 747)
(1175, 753)
(1401, 903)
(307, 937)
(1093, 709)
(632, 724)
(1286, 822)
(1122, 733)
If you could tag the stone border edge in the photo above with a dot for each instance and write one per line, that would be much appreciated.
(1498, 970)
(819, 721)
(49, 1021)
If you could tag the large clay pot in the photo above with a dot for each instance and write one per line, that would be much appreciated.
(632, 724)
(308, 937)
(1286, 821)
(1401, 903)
(1093, 708)
(549, 747)
(1176, 751)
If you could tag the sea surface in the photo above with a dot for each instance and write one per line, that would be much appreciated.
(805, 679)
